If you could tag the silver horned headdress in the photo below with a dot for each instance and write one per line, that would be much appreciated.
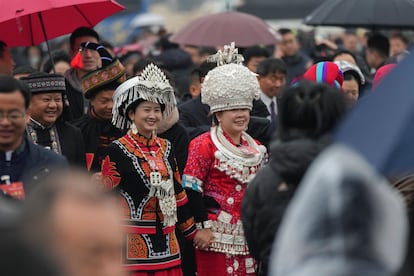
(230, 85)
(152, 85)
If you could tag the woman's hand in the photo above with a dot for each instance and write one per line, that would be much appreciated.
(203, 239)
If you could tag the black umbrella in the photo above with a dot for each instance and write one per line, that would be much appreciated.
(373, 14)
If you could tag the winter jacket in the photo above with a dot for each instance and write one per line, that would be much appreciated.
(270, 192)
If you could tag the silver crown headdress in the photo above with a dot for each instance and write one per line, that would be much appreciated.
(230, 85)
(152, 85)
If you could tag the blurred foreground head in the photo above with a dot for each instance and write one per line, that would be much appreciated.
(77, 222)
(309, 110)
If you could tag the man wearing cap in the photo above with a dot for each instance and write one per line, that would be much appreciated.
(99, 86)
(21, 161)
(83, 62)
(46, 126)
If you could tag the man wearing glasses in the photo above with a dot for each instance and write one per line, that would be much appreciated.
(21, 161)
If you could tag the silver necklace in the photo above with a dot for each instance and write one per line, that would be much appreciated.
(240, 163)
(162, 189)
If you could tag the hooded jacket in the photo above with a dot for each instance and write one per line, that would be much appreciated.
(345, 220)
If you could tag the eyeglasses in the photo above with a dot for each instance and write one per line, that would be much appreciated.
(12, 116)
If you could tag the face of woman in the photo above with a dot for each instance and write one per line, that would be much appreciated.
(351, 90)
(234, 121)
(146, 117)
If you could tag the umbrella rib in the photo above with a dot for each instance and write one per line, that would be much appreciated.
(84, 17)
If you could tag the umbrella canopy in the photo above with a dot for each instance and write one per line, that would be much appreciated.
(221, 28)
(26, 23)
(367, 13)
(280, 9)
(148, 19)
(381, 125)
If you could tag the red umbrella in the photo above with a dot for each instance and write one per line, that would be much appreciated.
(30, 22)
(221, 28)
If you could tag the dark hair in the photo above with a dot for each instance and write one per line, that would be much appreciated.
(113, 85)
(58, 56)
(204, 68)
(255, 51)
(284, 31)
(80, 32)
(352, 75)
(129, 56)
(3, 47)
(206, 51)
(400, 36)
(164, 43)
(343, 52)
(309, 110)
(9, 85)
(195, 75)
(24, 69)
(380, 44)
(271, 65)
(142, 63)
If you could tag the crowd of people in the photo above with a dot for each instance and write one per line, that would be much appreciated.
(184, 160)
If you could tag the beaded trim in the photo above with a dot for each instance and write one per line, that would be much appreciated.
(54, 137)
(236, 162)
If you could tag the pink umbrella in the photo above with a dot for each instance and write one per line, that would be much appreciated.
(221, 28)
(30, 22)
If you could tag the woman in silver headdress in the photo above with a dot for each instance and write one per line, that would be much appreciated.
(142, 168)
(220, 165)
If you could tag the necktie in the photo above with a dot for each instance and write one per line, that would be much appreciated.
(272, 112)
(273, 120)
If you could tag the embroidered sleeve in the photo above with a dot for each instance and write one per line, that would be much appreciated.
(196, 173)
(110, 174)
(198, 163)
(188, 228)
(184, 214)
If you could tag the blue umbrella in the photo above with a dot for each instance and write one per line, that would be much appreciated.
(381, 125)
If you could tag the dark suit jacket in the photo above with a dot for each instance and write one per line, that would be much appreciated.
(73, 146)
(195, 117)
(29, 163)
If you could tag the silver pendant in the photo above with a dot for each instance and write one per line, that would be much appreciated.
(155, 178)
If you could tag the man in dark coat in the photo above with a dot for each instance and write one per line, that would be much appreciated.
(296, 61)
(46, 126)
(83, 62)
(20, 159)
(99, 86)
(299, 140)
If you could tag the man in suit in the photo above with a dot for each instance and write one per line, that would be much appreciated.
(272, 75)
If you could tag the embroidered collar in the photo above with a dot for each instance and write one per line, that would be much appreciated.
(139, 138)
(35, 126)
(228, 137)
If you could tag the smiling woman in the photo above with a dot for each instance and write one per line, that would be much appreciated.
(142, 168)
(220, 165)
